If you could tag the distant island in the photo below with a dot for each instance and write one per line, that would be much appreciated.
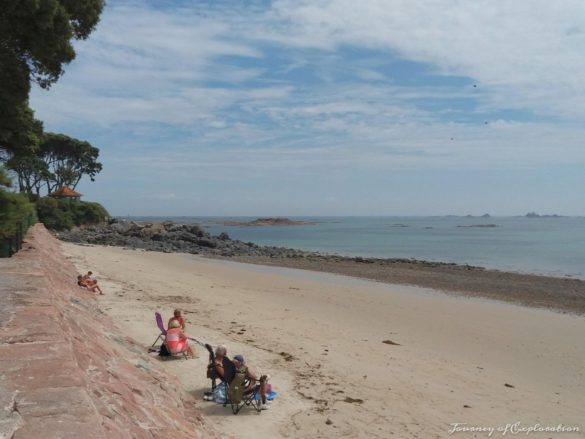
(536, 215)
(261, 222)
(485, 215)
(480, 225)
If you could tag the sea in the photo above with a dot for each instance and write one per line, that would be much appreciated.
(552, 246)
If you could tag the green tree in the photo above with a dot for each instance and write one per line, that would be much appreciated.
(59, 160)
(31, 170)
(35, 43)
(68, 160)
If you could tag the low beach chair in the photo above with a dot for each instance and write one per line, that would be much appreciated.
(161, 327)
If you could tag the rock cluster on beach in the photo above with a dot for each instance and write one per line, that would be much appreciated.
(170, 237)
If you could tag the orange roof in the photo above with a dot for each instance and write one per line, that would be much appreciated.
(65, 192)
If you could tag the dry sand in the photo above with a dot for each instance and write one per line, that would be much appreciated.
(353, 358)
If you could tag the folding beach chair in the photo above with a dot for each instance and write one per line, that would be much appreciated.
(236, 394)
(211, 372)
(161, 327)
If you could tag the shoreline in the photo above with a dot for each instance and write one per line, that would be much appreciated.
(563, 294)
(566, 295)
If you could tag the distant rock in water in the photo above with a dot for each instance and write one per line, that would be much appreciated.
(536, 215)
(485, 215)
(480, 225)
(260, 222)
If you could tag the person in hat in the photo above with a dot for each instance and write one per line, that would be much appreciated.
(256, 384)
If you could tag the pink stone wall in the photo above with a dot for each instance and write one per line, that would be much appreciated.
(65, 369)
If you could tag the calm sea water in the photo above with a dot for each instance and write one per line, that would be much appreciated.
(552, 246)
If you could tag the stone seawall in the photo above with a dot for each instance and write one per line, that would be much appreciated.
(66, 370)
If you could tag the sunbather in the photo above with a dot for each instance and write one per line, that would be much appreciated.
(256, 384)
(177, 341)
(89, 284)
(178, 317)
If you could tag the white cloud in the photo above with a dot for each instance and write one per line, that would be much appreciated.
(145, 67)
(527, 54)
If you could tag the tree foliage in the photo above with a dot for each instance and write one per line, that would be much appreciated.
(35, 43)
(68, 160)
(24, 133)
(59, 161)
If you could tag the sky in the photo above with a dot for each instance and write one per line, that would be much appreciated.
(330, 107)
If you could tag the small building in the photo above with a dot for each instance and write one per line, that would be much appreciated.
(66, 193)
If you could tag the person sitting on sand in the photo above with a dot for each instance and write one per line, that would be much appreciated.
(255, 383)
(176, 340)
(89, 284)
(178, 317)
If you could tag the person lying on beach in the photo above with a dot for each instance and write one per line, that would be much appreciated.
(255, 383)
(89, 284)
(176, 340)
(178, 317)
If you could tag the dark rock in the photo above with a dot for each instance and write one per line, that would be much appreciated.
(205, 242)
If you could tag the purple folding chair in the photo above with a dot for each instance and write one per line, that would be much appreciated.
(161, 327)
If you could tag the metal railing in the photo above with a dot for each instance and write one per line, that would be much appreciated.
(13, 243)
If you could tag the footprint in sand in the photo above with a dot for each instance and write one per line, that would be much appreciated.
(287, 356)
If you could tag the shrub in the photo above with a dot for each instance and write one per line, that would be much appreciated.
(54, 214)
(15, 209)
(88, 213)
(64, 214)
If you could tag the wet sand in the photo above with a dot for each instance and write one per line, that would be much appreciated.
(352, 358)
(555, 293)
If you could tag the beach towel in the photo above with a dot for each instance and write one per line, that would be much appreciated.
(269, 395)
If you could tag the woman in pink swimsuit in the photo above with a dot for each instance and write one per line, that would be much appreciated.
(177, 341)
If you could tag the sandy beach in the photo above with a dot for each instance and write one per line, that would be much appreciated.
(349, 357)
